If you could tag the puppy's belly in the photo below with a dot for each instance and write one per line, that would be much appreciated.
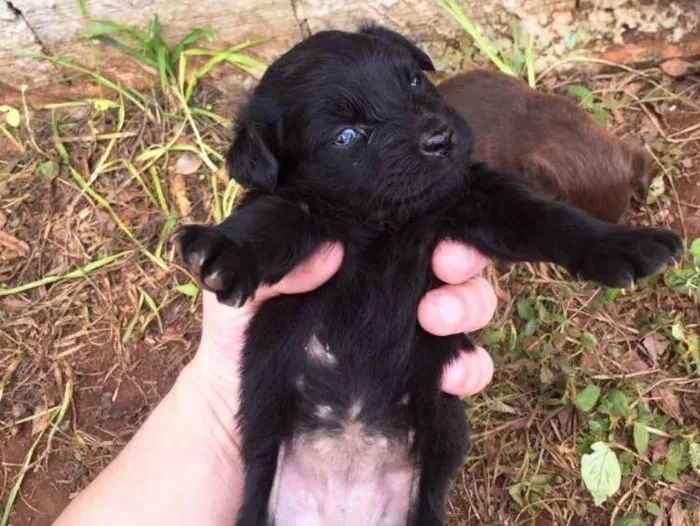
(348, 479)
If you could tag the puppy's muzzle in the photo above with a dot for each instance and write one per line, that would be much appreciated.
(437, 142)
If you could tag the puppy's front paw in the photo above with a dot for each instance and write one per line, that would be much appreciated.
(218, 263)
(622, 255)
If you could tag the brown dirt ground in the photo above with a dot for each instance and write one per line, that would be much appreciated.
(70, 332)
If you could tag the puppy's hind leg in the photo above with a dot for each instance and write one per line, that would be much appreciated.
(441, 428)
(441, 449)
(267, 408)
(263, 425)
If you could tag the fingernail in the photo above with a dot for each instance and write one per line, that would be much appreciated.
(454, 262)
(450, 309)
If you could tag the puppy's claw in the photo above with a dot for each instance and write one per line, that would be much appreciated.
(217, 263)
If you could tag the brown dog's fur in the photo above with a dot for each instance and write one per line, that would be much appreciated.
(549, 142)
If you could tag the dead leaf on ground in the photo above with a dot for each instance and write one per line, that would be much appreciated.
(667, 400)
(632, 362)
(675, 68)
(41, 419)
(566, 420)
(187, 164)
(647, 130)
(677, 518)
(658, 450)
(9, 244)
(178, 189)
(655, 345)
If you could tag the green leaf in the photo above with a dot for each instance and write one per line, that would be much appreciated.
(694, 454)
(601, 472)
(582, 93)
(656, 471)
(678, 332)
(11, 115)
(695, 248)
(587, 398)
(598, 426)
(616, 404)
(588, 341)
(657, 188)
(610, 295)
(491, 336)
(47, 171)
(190, 289)
(104, 104)
(652, 508)
(516, 493)
(525, 309)
(641, 438)
(674, 458)
(531, 327)
(626, 461)
(628, 521)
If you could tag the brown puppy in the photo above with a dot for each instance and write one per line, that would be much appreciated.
(551, 143)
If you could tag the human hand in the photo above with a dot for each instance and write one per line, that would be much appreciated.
(466, 303)
(184, 466)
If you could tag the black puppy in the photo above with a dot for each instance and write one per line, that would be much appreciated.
(345, 139)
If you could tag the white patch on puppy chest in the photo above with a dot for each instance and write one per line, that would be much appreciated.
(323, 411)
(354, 411)
(320, 353)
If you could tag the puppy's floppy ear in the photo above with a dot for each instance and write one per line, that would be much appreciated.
(251, 160)
(388, 35)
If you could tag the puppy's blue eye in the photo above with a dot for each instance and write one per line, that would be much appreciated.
(346, 136)
(415, 81)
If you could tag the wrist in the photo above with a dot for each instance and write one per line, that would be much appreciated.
(216, 394)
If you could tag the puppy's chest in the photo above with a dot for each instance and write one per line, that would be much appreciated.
(365, 321)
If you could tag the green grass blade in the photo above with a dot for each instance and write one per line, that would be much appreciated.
(223, 121)
(155, 177)
(154, 311)
(455, 10)
(129, 331)
(216, 202)
(191, 38)
(106, 27)
(141, 104)
(242, 60)
(168, 227)
(229, 199)
(74, 274)
(137, 175)
(83, 10)
(14, 491)
(133, 53)
(163, 67)
(10, 137)
(529, 62)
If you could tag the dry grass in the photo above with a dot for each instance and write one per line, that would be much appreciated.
(97, 317)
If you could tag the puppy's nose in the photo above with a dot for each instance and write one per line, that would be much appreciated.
(437, 142)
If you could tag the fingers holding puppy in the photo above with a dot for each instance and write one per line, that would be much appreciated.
(467, 303)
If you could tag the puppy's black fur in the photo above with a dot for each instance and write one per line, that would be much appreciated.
(345, 139)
